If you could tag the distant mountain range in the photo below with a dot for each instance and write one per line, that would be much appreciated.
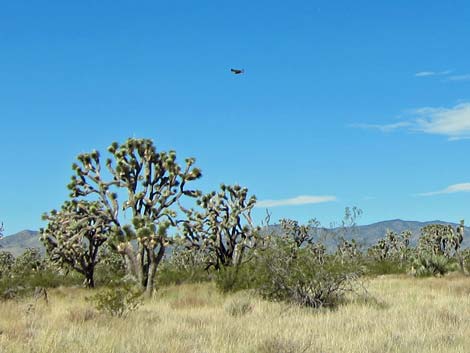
(19, 242)
(366, 235)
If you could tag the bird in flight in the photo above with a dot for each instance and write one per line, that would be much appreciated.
(237, 71)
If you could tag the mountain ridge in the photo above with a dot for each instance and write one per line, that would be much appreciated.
(366, 235)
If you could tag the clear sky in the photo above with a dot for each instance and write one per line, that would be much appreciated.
(344, 103)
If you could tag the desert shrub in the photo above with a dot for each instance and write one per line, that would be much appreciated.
(118, 301)
(375, 267)
(183, 266)
(288, 273)
(168, 275)
(247, 275)
(111, 267)
(432, 265)
(30, 271)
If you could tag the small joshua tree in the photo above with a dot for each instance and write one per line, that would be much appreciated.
(392, 246)
(74, 235)
(223, 230)
(154, 183)
(1, 230)
(300, 234)
(6, 263)
(347, 250)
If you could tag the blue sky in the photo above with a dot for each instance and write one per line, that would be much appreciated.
(343, 103)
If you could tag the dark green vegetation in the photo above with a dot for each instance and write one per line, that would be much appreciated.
(134, 223)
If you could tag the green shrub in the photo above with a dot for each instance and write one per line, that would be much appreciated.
(169, 274)
(111, 267)
(30, 271)
(384, 267)
(236, 278)
(432, 265)
(119, 301)
(287, 273)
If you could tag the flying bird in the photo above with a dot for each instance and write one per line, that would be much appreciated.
(237, 71)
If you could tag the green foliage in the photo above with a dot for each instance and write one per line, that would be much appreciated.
(439, 239)
(29, 262)
(6, 263)
(466, 259)
(153, 182)
(432, 265)
(111, 267)
(183, 266)
(118, 301)
(376, 267)
(232, 279)
(223, 229)
(30, 271)
(287, 273)
(74, 235)
(393, 247)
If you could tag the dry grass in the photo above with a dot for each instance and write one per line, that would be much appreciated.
(407, 315)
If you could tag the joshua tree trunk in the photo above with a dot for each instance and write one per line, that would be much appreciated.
(89, 278)
(154, 260)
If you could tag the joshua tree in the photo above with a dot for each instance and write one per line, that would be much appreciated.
(441, 239)
(74, 235)
(223, 229)
(347, 250)
(29, 262)
(460, 233)
(1, 230)
(6, 263)
(300, 234)
(394, 245)
(154, 182)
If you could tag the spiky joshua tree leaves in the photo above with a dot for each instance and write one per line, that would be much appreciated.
(223, 228)
(153, 182)
(74, 235)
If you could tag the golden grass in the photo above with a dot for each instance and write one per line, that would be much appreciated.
(407, 315)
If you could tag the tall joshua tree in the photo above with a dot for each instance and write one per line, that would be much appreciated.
(223, 228)
(74, 235)
(153, 182)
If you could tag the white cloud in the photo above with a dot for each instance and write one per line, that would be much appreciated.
(425, 73)
(384, 128)
(465, 77)
(463, 187)
(299, 200)
(432, 73)
(451, 122)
